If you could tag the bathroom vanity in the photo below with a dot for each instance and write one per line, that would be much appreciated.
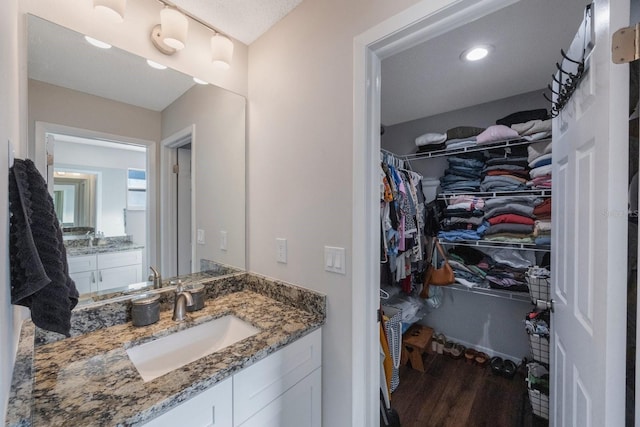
(272, 377)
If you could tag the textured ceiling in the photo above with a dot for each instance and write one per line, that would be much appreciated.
(430, 78)
(244, 20)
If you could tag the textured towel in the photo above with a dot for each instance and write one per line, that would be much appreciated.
(39, 270)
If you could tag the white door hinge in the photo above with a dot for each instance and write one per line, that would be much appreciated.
(625, 45)
(176, 168)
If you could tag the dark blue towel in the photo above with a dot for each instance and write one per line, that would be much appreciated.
(39, 271)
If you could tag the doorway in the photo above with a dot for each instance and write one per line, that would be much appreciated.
(177, 213)
(183, 208)
(392, 36)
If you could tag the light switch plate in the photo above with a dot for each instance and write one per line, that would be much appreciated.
(281, 250)
(223, 240)
(334, 260)
(200, 236)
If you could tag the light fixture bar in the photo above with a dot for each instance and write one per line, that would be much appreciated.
(187, 14)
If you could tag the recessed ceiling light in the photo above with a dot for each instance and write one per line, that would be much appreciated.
(476, 53)
(97, 43)
(155, 65)
(200, 81)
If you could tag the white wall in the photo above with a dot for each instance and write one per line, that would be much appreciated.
(9, 131)
(300, 163)
(219, 118)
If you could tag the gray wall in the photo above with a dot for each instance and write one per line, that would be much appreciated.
(400, 138)
(486, 322)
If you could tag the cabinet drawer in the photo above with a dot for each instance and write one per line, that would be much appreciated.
(81, 263)
(119, 259)
(258, 385)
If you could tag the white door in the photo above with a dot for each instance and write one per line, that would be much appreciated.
(184, 209)
(590, 143)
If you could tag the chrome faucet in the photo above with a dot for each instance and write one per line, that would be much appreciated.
(182, 300)
(156, 278)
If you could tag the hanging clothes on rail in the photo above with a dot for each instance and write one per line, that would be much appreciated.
(401, 218)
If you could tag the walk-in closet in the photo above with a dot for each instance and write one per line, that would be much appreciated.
(465, 175)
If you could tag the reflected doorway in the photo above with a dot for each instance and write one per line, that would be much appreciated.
(183, 208)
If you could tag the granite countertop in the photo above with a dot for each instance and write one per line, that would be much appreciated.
(102, 248)
(89, 380)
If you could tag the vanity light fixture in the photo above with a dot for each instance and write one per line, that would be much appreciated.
(156, 65)
(476, 53)
(200, 81)
(112, 10)
(174, 26)
(97, 43)
(171, 35)
(221, 51)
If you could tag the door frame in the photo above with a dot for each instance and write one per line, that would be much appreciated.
(420, 22)
(169, 199)
(40, 160)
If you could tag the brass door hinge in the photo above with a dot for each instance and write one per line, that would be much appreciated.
(625, 45)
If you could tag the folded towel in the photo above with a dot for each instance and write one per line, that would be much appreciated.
(538, 149)
(523, 116)
(496, 133)
(539, 171)
(545, 159)
(532, 126)
(463, 132)
(430, 139)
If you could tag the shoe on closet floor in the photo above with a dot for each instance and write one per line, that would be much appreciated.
(457, 351)
(448, 348)
(481, 359)
(470, 355)
(497, 365)
(441, 340)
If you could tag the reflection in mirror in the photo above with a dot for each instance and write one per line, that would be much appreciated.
(73, 199)
(113, 126)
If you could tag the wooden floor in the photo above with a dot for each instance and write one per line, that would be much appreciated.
(453, 393)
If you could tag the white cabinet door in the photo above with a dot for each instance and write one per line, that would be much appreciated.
(260, 384)
(85, 281)
(109, 278)
(300, 406)
(118, 259)
(211, 408)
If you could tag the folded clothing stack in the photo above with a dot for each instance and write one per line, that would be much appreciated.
(454, 138)
(463, 219)
(511, 219)
(505, 174)
(539, 157)
(542, 225)
(463, 174)
(496, 268)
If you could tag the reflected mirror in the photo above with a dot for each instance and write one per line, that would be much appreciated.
(146, 167)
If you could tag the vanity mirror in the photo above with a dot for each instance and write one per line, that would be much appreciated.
(110, 132)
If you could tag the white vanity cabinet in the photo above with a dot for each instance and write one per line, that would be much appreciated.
(282, 390)
(99, 272)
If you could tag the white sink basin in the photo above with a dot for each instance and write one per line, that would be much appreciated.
(165, 354)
